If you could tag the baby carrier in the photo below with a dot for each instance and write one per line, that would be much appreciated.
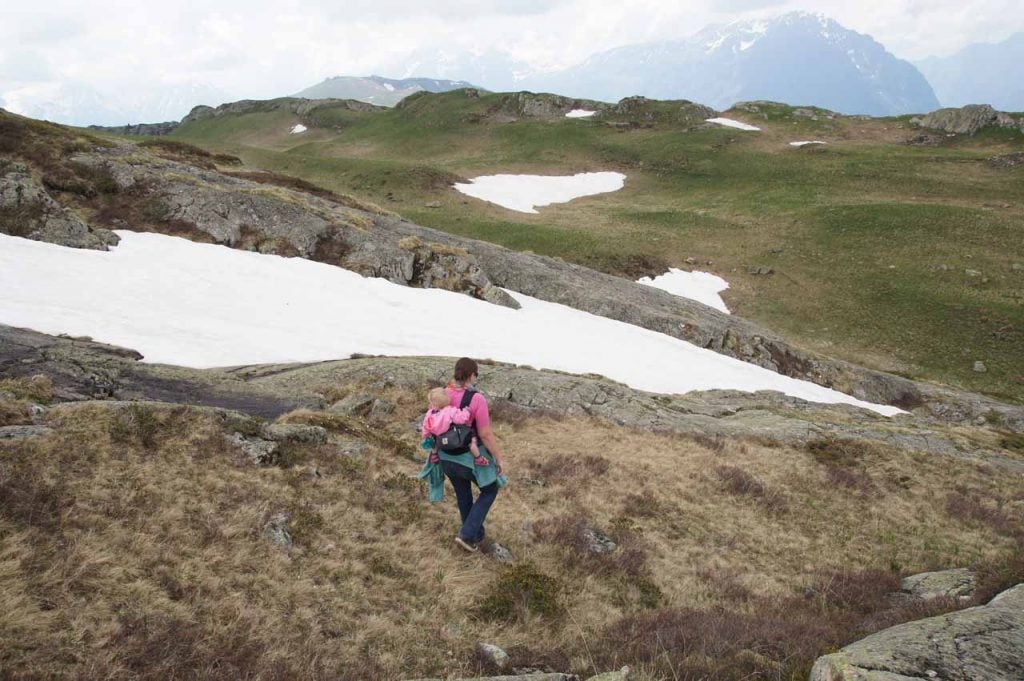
(456, 439)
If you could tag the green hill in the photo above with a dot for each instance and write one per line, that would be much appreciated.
(896, 255)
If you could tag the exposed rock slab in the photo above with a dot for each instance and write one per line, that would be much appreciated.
(27, 210)
(957, 583)
(23, 432)
(85, 370)
(985, 643)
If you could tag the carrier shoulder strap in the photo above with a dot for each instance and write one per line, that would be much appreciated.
(467, 397)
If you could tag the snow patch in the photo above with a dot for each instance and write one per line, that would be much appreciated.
(703, 287)
(730, 123)
(746, 45)
(580, 113)
(804, 143)
(389, 87)
(714, 44)
(298, 128)
(203, 305)
(526, 193)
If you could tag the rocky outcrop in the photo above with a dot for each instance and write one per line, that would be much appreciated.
(27, 210)
(514, 106)
(84, 370)
(141, 129)
(977, 644)
(299, 107)
(640, 111)
(967, 120)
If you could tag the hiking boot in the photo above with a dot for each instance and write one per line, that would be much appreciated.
(467, 545)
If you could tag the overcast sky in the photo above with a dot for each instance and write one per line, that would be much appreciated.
(256, 48)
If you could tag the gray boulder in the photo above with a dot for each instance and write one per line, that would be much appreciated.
(957, 583)
(258, 450)
(276, 531)
(966, 120)
(296, 432)
(597, 542)
(978, 644)
(493, 654)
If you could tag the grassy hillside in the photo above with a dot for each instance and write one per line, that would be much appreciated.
(897, 256)
(135, 546)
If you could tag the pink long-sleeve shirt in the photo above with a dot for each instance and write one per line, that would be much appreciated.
(437, 421)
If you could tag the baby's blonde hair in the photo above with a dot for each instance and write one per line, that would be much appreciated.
(438, 398)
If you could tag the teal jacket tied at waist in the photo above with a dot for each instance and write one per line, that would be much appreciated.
(433, 473)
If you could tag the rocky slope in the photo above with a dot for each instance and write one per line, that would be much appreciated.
(978, 644)
(84, 370)
(176, 189)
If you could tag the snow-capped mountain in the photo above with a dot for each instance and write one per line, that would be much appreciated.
(77, 103)
(377, 89)
(797, 58)
(494, 70)
(980, 74)
(63, 102)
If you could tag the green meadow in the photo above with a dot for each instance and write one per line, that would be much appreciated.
(889, 254)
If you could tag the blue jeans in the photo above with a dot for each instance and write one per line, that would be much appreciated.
(473, 513)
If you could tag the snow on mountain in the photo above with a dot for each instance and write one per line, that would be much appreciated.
(981, 73)
(242, 307)
(797, 58)
(496, 71)
(64, 102)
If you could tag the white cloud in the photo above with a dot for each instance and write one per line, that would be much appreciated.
(255, 48)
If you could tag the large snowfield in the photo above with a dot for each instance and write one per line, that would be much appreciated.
(526, 193)
(201, 305)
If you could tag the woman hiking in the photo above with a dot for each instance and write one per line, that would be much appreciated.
(461, 468)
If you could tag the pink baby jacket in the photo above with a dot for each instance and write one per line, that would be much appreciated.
(437, 421)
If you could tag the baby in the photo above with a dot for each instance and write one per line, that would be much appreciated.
(440, 417)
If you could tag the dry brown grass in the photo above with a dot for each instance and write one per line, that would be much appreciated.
(132, 547)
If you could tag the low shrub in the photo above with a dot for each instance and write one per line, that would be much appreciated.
(188, 153)
(839, 453)
(520, 592)
(740, 483)
(38, 388)
(998, 575)
(29, 495)
(1013, 442)
(290, 182)
(771, 638)
(340, 423)
(136, 424)
(14, 413)
(570, 467)
(970, 507)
